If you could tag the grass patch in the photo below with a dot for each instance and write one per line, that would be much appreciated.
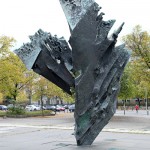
(2, 113)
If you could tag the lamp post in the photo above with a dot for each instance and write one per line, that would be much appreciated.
(146, 103)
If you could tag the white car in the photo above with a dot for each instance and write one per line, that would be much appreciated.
(40, 107)
(3, 107)
(32, 108)
(72, 108)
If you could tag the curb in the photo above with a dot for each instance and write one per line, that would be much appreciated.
(119, 130)
(131, 131)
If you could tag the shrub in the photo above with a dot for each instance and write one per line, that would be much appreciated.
(16, 110)
(38, 113)
(19, 112)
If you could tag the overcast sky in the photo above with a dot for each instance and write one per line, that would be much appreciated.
(21, 18)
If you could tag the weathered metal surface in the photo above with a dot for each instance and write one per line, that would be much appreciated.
(98, 64)
(93, 66)
(53, 58)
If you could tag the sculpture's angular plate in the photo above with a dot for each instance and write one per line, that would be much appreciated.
(93, 66)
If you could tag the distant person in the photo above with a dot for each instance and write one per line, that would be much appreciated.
(136, 108)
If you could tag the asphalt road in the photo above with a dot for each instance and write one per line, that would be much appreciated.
(129, 132)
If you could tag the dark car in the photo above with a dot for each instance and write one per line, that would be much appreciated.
(65, 106)
(3, 107)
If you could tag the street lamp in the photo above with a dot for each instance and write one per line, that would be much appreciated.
(146, 103)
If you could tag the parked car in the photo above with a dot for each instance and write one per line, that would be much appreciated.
(66, 106)
(40, 107)
(3, 107)
(44, 108)
(72, 108)
(60, 108)
(32, 108)
(51, 107)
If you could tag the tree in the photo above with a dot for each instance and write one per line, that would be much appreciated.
(43, 87)
(1, 97)
(30, 85)
(5, 44)
(41, 90)
(12, 77)
(127, 89)
(139, 42)
(54, 90)
(12, 71)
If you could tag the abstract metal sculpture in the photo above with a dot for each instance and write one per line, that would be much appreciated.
(93, 66)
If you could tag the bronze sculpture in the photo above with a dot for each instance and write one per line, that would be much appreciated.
(93, 65)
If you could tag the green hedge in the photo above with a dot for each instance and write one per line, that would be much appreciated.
(16, 110)
(25, 114)
(39, 113)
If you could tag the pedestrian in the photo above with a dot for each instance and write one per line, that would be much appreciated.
(136, 108)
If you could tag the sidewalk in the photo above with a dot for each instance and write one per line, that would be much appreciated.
(141, 113)
(131, 122)
(55, 139)
(123, 132)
